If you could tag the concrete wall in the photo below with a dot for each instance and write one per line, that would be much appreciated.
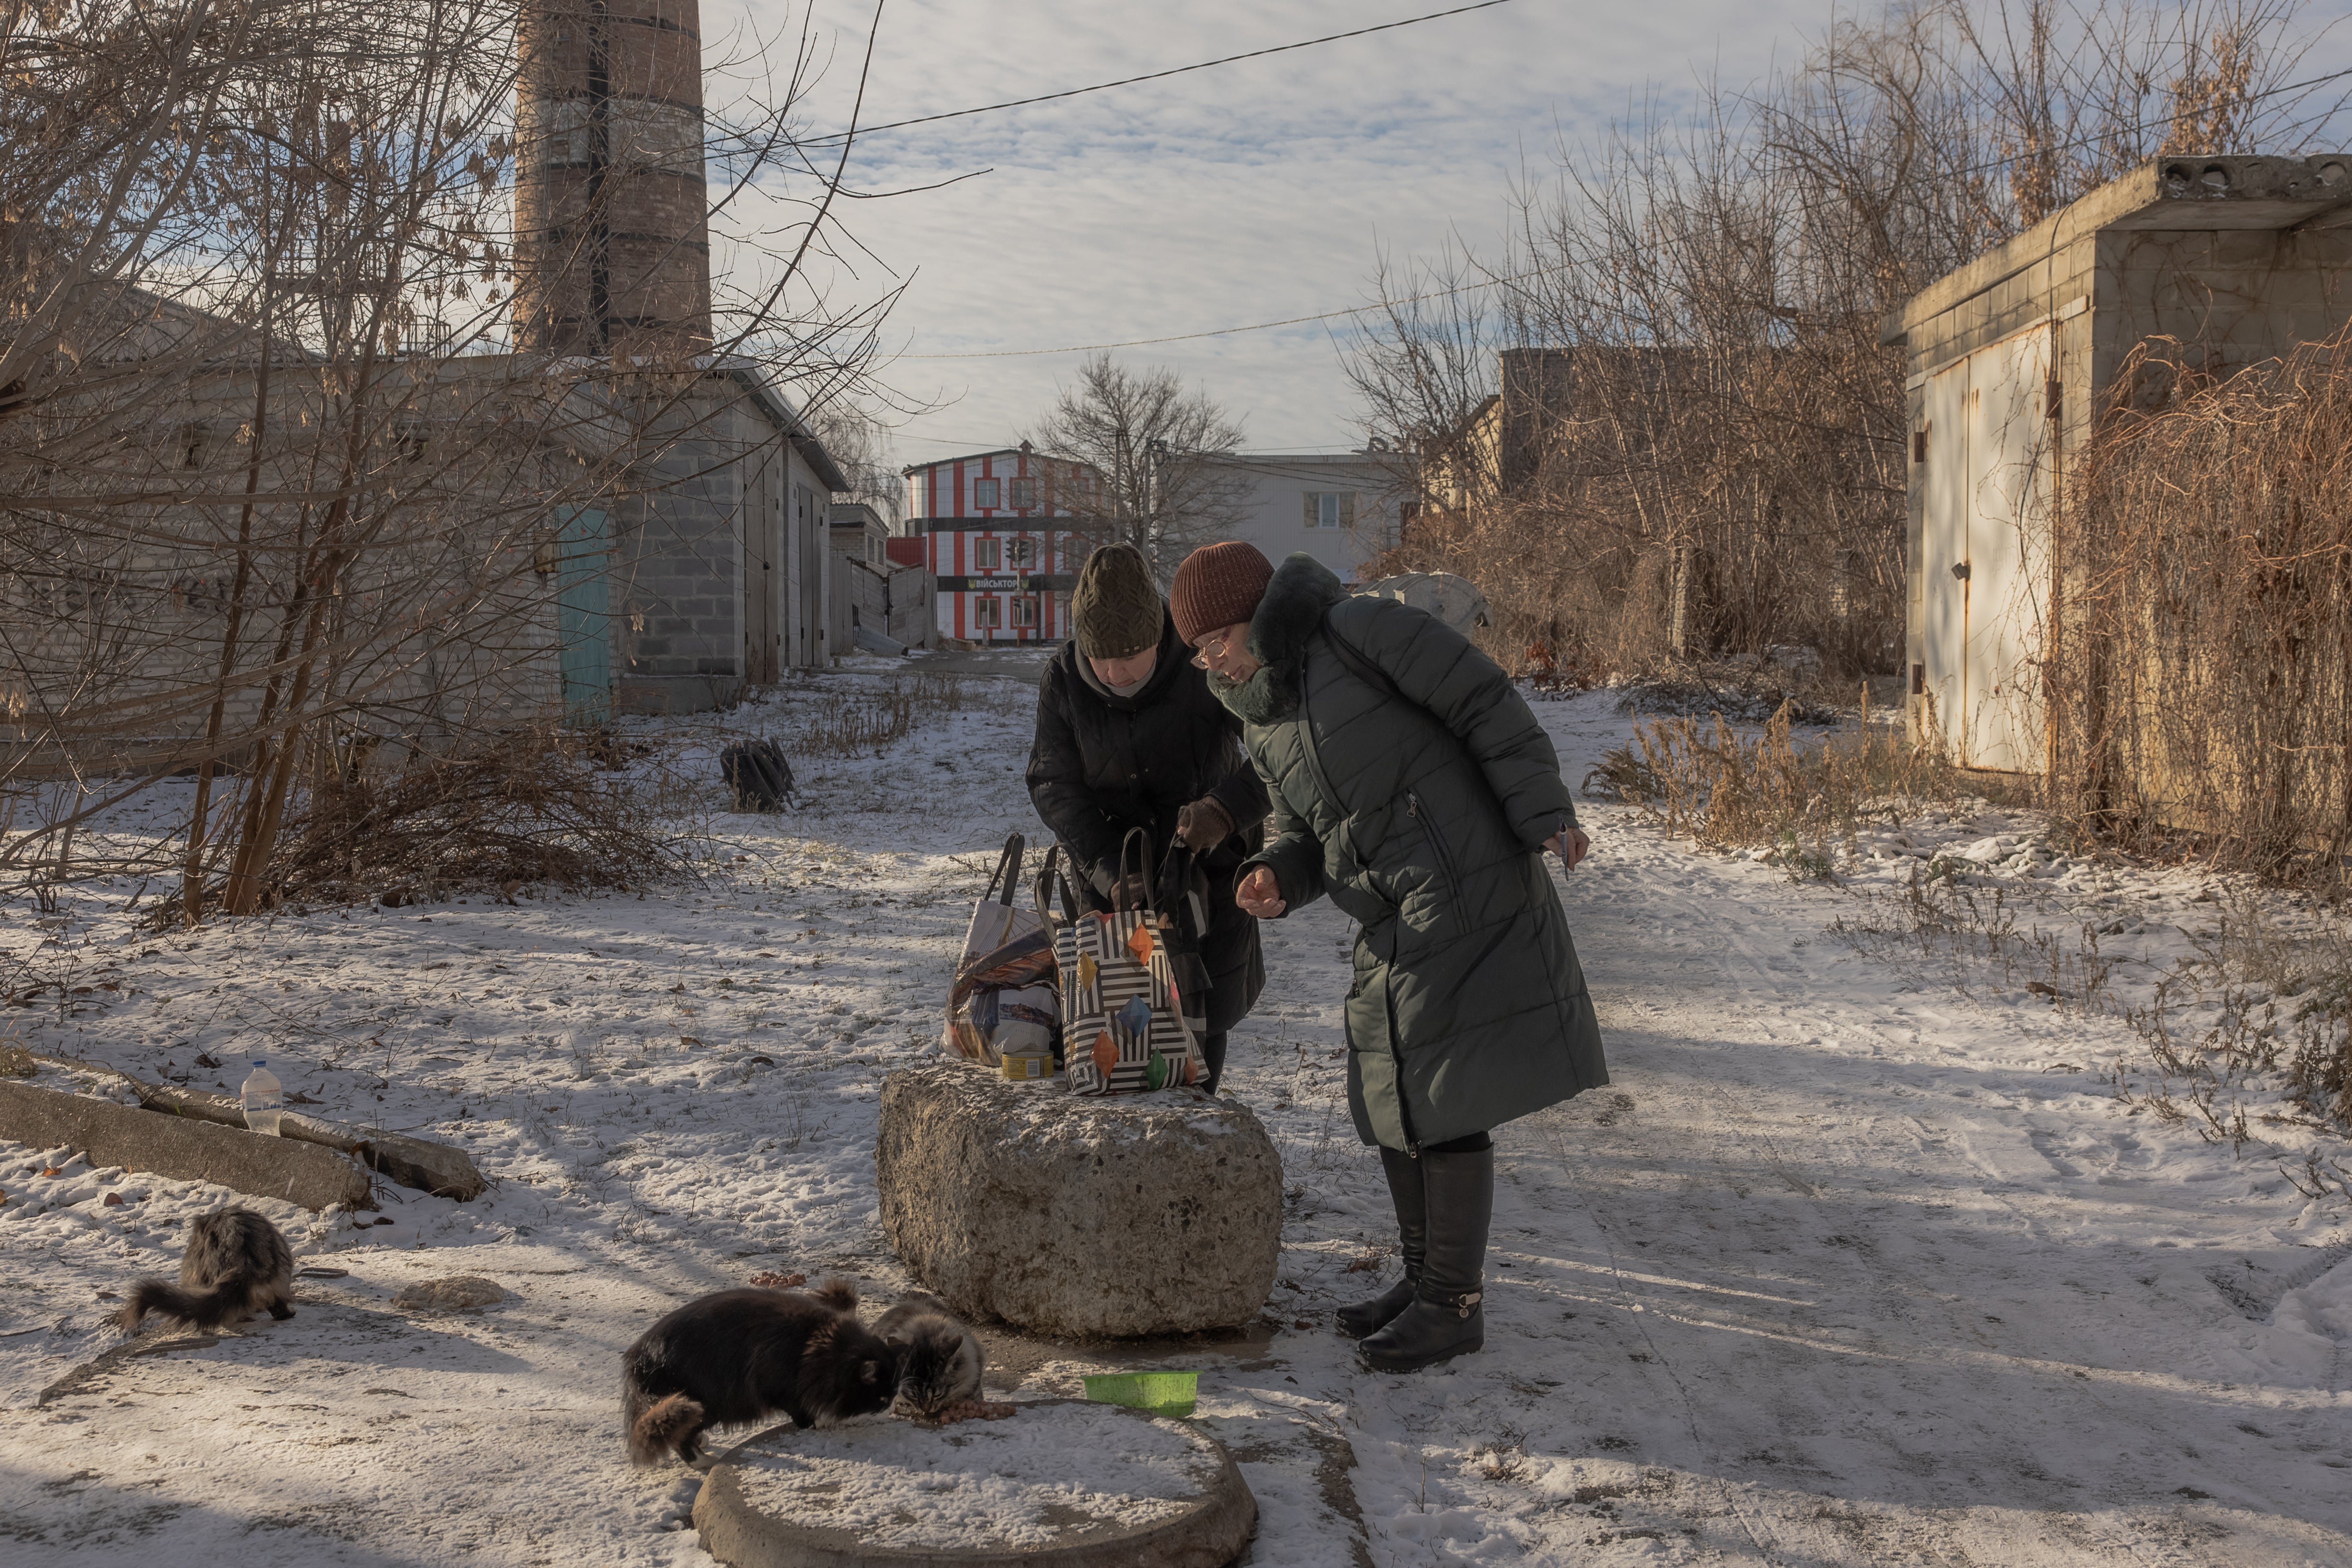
(701, 550)
(2239, 296)
(440, 625)
(681, 620)
(862, 600)
(726, 477)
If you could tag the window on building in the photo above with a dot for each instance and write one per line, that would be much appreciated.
(1024, 553)
(1025, 494)
(1330, 508)
(1024, 611)
(986, 555)
(988, 611)
(984, 494)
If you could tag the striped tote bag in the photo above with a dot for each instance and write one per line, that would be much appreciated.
(1126, 1025)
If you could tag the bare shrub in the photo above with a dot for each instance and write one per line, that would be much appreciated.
(284, 455)
(1706, 781)
(1658, 422)
(2204, 677)
(854, 723)
(532, 810)
(2271, 997)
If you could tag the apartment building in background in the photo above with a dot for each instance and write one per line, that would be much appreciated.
(1003, 535)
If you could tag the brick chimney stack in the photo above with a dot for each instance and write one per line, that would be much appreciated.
(612, 233)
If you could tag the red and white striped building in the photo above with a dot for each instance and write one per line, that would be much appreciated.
(1003, 534)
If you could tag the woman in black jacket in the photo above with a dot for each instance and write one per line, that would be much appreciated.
(1128, 736)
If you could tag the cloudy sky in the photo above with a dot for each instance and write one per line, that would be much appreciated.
(1250, 193)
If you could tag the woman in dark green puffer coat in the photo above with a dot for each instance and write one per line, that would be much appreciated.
(1412, 785)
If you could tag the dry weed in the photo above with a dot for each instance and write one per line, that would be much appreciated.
(2204, 685)
(859, 723)
(2284, 1000)
(1938, 919)
(534, 809)
(1804, 801)
(1504, 1457)
(854, 723)
(2258, 1008)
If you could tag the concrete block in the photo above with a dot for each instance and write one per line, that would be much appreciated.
(1126, 1216)
(183, 1148)
(417, 1162)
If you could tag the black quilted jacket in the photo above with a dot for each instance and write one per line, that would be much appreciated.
(1104, 763)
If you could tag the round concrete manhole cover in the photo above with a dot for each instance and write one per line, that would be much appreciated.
(1058, 1484)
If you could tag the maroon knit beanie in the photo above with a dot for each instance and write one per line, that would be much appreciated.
(1217, 585)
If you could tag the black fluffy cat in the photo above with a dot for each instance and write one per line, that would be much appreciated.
(742, 1354)
(236, 1263)
(941, 1359)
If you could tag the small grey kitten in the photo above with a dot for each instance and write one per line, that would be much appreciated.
(943, 1359)
(236, 1263)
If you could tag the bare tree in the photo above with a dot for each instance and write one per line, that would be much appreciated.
(1658, 421)
(275, 490)
(859, 444)
(1147, 436)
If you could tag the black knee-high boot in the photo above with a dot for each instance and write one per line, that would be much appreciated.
(1403, 1172)
(1446, 1318)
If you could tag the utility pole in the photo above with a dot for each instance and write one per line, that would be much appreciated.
(1156, 489)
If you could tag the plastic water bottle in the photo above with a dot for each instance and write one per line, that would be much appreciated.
(264, 1101)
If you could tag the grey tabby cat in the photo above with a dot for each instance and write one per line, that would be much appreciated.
(944, 1359)
(236, 1263)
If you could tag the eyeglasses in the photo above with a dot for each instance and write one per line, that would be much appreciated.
(1213, 648)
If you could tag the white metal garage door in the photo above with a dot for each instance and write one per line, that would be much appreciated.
(1986, 541)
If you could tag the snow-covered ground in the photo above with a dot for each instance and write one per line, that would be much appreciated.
(1861, 1259)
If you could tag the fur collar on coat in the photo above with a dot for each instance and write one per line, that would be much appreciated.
(1288, 617)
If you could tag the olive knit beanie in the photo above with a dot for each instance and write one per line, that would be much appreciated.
(1115, 609)
(1218, 585)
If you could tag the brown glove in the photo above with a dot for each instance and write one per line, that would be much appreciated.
(1204, 824)
(1128, 892)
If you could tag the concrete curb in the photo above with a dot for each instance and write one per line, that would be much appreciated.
(419, 1163)
(1210, 1533)
(185, 1150)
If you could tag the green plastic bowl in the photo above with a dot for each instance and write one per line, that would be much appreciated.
(1161, 1393)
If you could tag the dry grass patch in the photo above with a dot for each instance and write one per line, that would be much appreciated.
(1803, 799)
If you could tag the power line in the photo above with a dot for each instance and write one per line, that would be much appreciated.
(1157, 76)
(1253, 327)
(1538, 272)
